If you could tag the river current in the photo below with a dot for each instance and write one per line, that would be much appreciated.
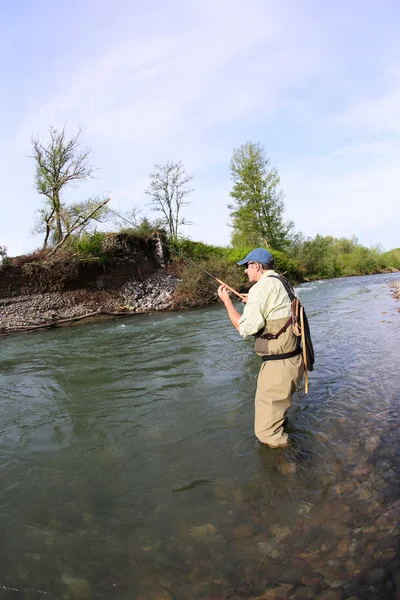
(129, 469)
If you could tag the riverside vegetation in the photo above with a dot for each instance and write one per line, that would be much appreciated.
(71, 239)
(181, 284)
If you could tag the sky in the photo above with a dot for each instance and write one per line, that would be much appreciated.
(316, 83)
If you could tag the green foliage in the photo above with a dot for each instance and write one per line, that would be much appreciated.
(325, 257)
(257, 211)
(391, 258)
(58, 164)
(318, 258)
(90, 245)
(194, 250)
(197, 288)
(146, 226)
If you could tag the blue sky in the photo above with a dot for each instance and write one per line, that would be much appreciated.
(317, 83)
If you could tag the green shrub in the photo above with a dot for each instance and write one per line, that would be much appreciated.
(197, 288)
(90, 245)
(194, 250)
(391, 259)
(184, 248)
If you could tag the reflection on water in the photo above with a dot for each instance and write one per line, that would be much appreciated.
(129, 468)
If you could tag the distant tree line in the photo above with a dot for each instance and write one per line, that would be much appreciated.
(257, 213)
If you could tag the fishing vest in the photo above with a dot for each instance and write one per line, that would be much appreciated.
(285, 338)
(277, 340)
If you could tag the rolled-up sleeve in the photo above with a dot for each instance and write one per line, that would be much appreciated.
(252, 319)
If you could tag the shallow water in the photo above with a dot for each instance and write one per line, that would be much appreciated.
(129, 468)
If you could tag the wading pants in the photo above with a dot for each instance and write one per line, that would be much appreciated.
(276, 384)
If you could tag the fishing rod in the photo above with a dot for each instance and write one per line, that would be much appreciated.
(241, 296)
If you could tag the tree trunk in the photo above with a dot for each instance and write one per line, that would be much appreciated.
(57, 208)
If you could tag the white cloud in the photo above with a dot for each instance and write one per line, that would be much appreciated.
(189, 85)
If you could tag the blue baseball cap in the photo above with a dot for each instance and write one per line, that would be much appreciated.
(259, 255)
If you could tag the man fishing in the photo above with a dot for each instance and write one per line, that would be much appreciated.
(267, 315)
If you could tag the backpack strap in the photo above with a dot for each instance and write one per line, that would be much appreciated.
(295, 306)
(274, 336)
(289, 289)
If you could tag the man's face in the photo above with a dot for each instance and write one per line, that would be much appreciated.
(252, 270)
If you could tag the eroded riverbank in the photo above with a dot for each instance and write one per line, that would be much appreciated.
(152, 293)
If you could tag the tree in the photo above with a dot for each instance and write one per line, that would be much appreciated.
(60, 164)
(258, 207)
(168, 190)
(3, 254)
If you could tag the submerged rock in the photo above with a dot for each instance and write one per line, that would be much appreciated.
(203, 532)
(374, 576)
(304, 593)
(330, 594)
(80, 588)
(281, 592)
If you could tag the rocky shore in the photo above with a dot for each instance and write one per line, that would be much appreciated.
(395, 290)
(22, 313)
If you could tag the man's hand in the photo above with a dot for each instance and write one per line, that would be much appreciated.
(245, 297)
(224, 294)
(233, 314)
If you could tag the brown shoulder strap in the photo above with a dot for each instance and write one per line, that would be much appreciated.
(274, 336)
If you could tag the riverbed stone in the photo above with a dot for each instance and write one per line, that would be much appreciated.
(204, 532)
(80, 588)
(312, 579)
(294, 572)
(396, 578)
(330, 594)
(345, 486)
(161, 596)
(361, 470)
(244, 530)
(279, 531)
(335, 576)
(304, 593)
(288, 468)
(383, 523)
(281, 592)
(374, 576)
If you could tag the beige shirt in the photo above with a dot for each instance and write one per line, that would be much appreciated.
(268, 300)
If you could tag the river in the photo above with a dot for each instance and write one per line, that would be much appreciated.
(129, 469)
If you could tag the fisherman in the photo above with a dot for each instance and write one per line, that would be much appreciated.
(267, 312)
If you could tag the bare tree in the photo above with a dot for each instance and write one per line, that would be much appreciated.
(59, 164)
(168, 190)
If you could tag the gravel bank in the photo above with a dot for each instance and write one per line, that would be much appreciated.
(395, 290)
(47, 309)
